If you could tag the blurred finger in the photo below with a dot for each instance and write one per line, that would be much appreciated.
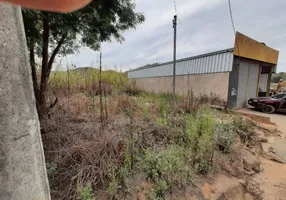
(51, 5)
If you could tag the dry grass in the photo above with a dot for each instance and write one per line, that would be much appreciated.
(81, 152)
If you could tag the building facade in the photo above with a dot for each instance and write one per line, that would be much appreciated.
(234, 75)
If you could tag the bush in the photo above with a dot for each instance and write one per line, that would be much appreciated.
(190, 103)
(159, 164)
(167, 168)
(243, 124)
(244, 127)
(146, 111)
(85, 192)
(225, 137)
(199, 132)
(163, 120)
(131, 89)
(157, 193)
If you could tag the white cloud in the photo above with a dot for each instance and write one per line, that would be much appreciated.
(204, 26)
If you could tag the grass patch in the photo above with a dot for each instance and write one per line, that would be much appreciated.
(85, 193)
(143, 134)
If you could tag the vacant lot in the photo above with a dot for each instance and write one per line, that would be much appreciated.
(128, 144)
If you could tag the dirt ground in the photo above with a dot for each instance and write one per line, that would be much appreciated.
(272, 179)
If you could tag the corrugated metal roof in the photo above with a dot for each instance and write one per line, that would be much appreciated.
(219, 61)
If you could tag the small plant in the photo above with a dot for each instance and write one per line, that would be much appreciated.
(146, 111)
(225, 137)
(85, 192)
(51, 167)
(120, 172)
(167, 169)
(118, 175)
(163, 120)
(163, 112)
(243, 124)
(157, 193)
(199, 137)
(244, 128)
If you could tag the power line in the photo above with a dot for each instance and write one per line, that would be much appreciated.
(175, 7)
(177, 12)
(231, 17)
(234, 31)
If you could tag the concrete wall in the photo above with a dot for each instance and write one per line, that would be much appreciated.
(22, 164)
(216, 83)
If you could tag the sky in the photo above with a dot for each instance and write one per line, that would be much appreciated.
(203, 26)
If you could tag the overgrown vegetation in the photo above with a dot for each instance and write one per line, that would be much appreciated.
(143, 134)
(277, 77)
(85, 192)
(86, 80)
(51, 34)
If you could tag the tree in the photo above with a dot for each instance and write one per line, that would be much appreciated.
(277, 77)
(51, 34)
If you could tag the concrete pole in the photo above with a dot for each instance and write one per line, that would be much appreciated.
(22, 164)
(174, 58)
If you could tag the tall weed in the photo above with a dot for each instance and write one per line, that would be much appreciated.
(167, 168)
(199, 132)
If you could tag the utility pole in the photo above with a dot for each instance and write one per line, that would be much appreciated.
(175, 46)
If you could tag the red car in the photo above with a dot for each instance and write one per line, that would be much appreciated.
(269, 104)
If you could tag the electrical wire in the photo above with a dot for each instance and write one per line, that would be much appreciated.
(234, 31)
(231, 17)
(175, 7)
(177, 12)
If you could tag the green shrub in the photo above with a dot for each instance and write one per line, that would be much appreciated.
(244, 127)
(162, 163)
(167, 168)
(146, 111)
(225, 137)
(243, 124)
(199, 137)
(51, 168)
(85, 192)
(162, 120)
(118, 176)
(157, 193)
(163, 112)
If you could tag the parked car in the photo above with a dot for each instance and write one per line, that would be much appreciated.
(269, 104)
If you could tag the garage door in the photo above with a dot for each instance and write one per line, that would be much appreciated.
(252, 81)
(247, 83)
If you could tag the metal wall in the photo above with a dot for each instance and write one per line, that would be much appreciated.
(247, 85)
(215, 62)
(263, 83)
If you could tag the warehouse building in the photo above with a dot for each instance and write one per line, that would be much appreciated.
(234, 75)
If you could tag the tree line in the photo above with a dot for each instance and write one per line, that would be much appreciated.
(277, 77)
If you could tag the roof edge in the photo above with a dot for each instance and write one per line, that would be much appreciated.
(184, 59)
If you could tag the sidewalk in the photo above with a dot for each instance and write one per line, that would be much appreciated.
(278, 118)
